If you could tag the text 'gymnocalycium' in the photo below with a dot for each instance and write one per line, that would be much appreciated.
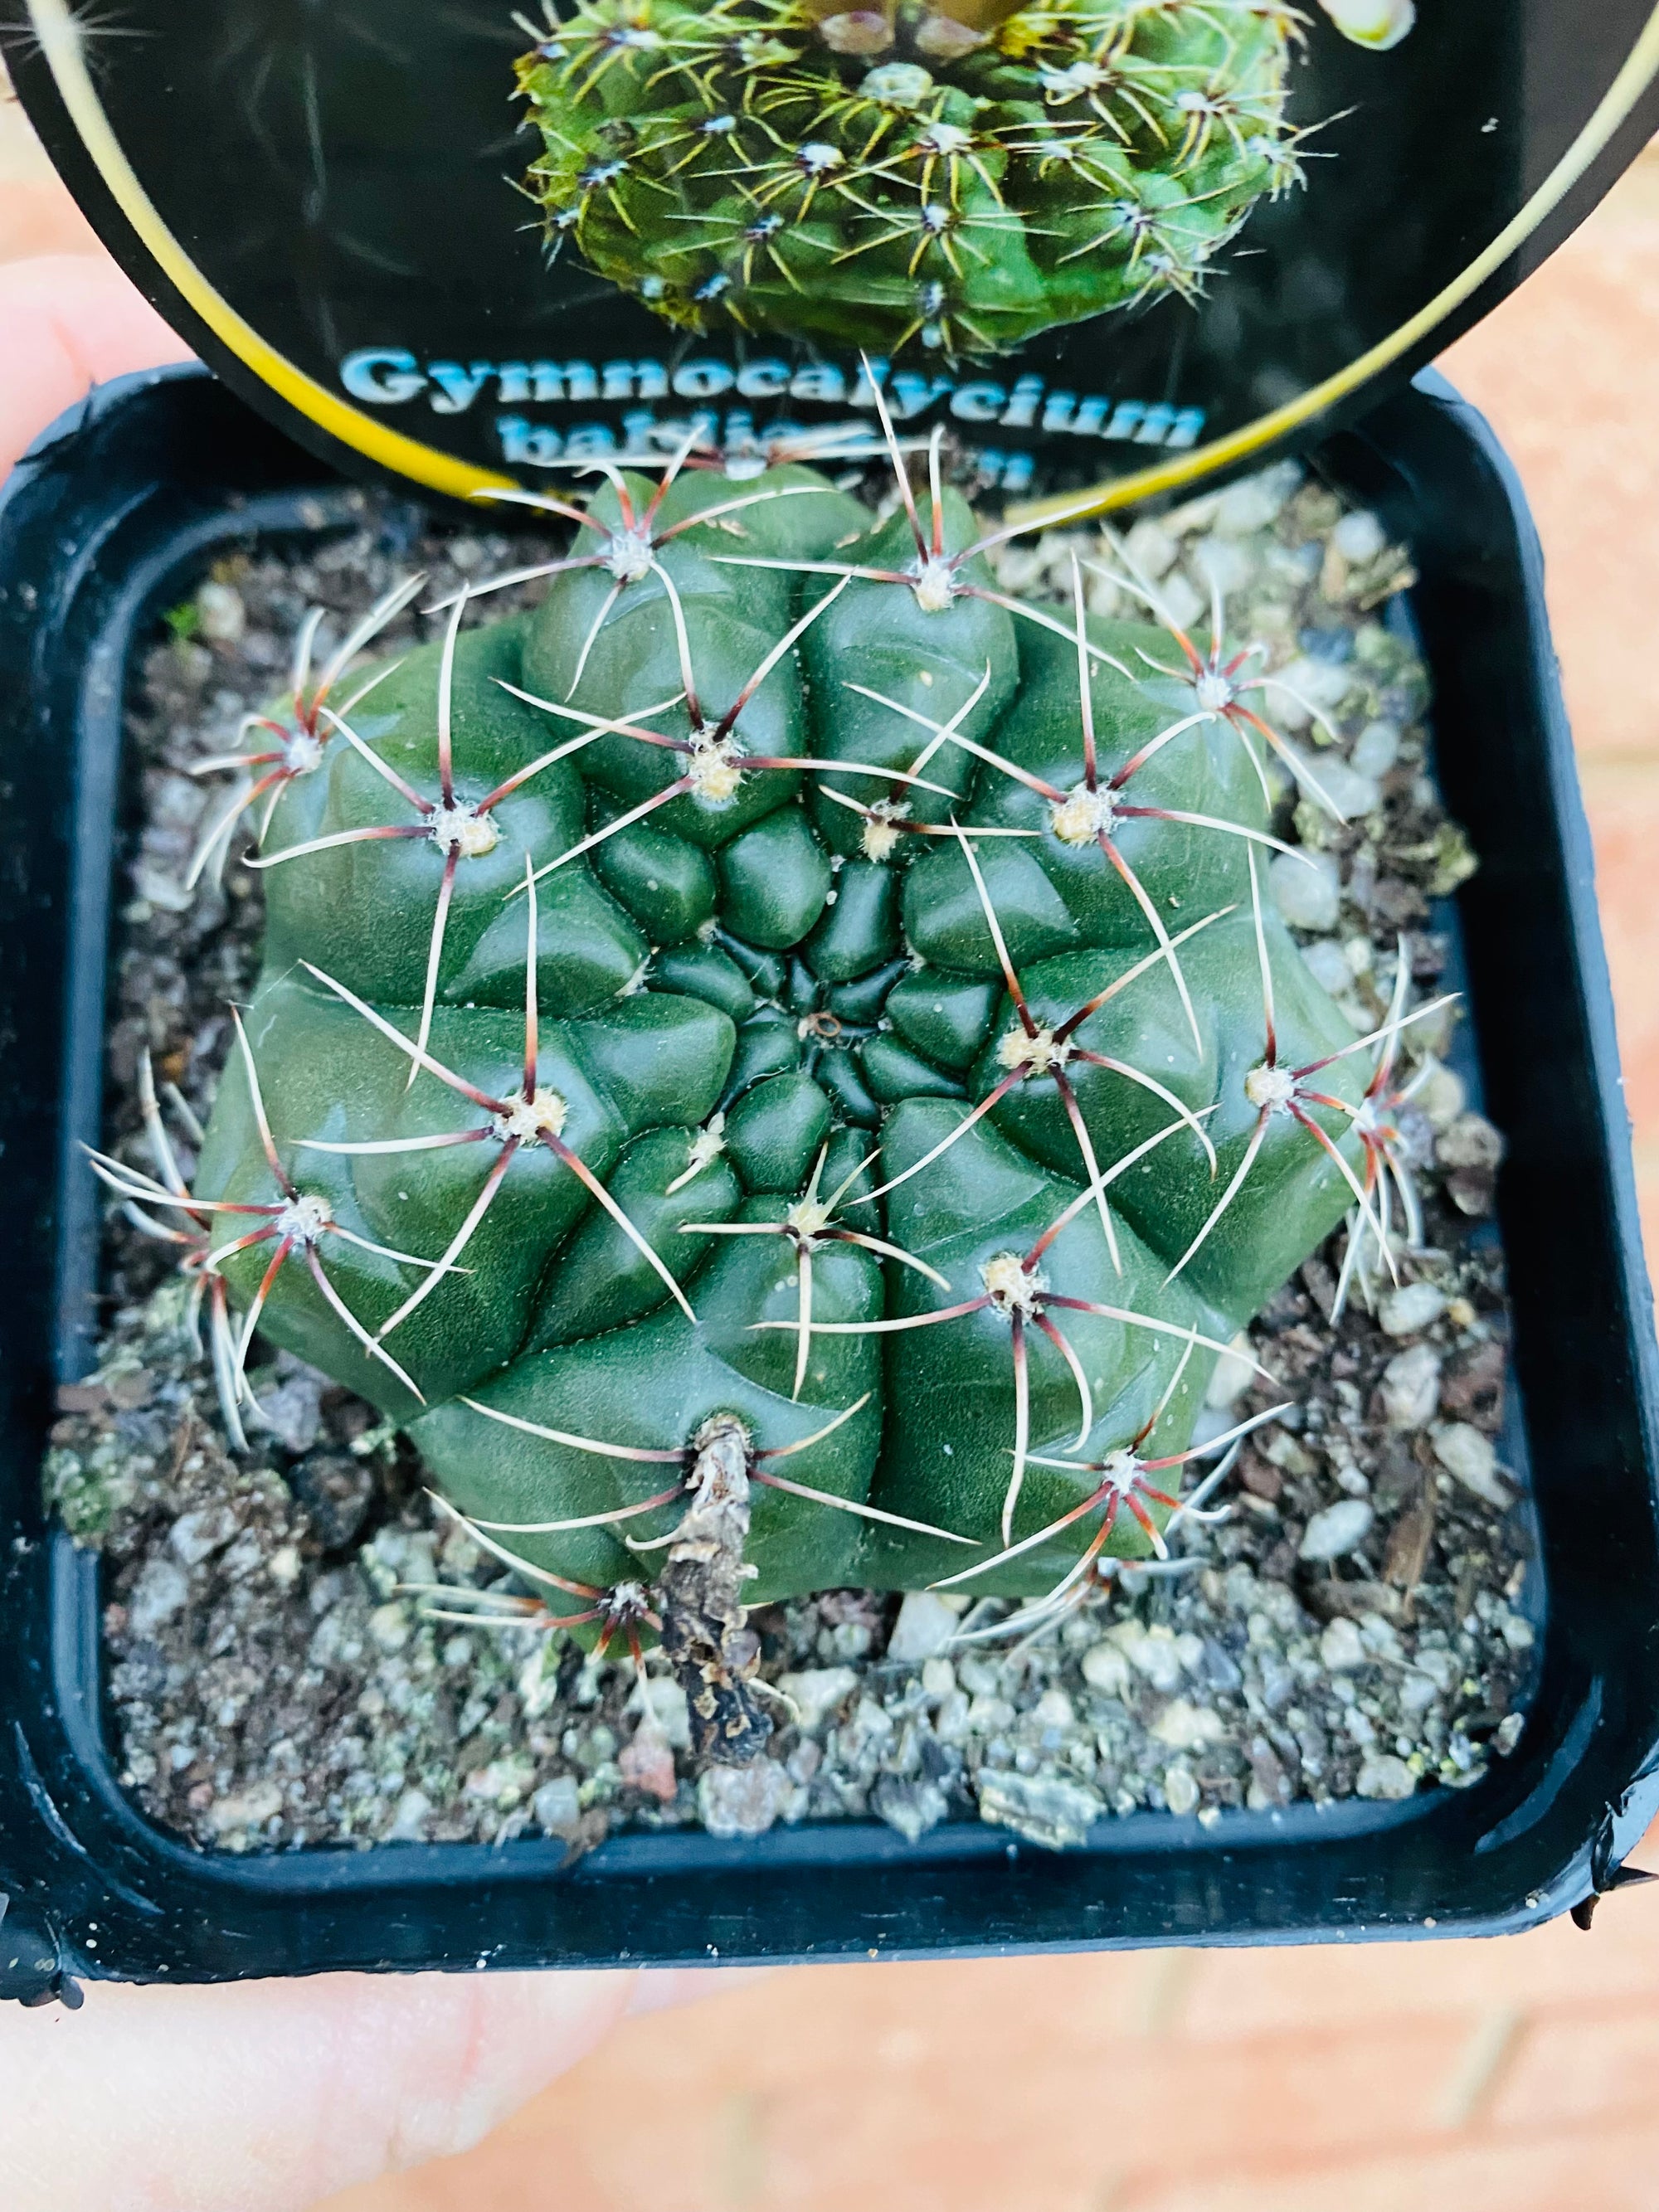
(775, 1066)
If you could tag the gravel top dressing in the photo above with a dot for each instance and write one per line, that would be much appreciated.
(1345, 1619)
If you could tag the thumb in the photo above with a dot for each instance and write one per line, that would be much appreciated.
(267, 2097)
(69, 321)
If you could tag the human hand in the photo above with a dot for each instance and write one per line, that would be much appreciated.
(69, 321)
(267, 2096)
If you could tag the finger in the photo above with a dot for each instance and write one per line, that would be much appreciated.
(271, 2096)
(69, 321)
(669, 1987)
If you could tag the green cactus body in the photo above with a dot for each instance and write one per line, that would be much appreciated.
(920, 1127)
(960, 175)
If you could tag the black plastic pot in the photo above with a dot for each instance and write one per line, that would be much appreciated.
(104, 523)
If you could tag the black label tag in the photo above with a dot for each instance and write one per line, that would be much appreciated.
(1134, 240)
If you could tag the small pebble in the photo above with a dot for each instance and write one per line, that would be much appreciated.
(1151, 1651)
(1053, 1709)
(925, 1626)
(816, 1693)
(293, 1410)
(1152, 550)
(1328, 965)
(557, 1806)
(1411, 1308)
(847, 1639)
(1359, 537)
(1232, 1375)
(161, 1590)
(1321, 684)
(1102, 597)
(1307, 892)
(1180, 1790)
(1280, 1450)
(1354, 796)
(912, 1806)
(285, 1566)
(1022, 567)
(1256, 503)
(1106, 1669)
(741, 1801)
(248, 1808)
(1047, 1810)
(196, 1536)
(1468, 1454)
(1441, 1097)
(1382, 1775)
(1418, 1691)
(1341, 1647)
(336, 1490)
(646, 1763)
(389, 1625)
(1220, 562)
(1336, 1531)
(414, 1810)
(1470, 1142)
(951, 1723)
(222, 611)
(988, 1714)
(671, 1709)
(1185, 1726)
(1181, 602)
(1379, 1636)
(1410, 1388)
(1375, 748)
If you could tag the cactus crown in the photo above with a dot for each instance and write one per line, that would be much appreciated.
(959, 174)
(776, 1066)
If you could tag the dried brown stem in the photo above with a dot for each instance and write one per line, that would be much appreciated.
(711, 1649)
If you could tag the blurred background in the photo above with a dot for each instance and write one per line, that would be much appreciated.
(1516, 2076)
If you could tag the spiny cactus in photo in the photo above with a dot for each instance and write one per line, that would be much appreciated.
(776, 1069)
(957, 175)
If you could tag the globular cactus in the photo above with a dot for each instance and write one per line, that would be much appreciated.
(775, 1066)
(958, 174)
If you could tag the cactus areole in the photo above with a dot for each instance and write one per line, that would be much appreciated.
(777, 1067)
(950, 175)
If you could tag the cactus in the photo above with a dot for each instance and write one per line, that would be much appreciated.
(776, 1069)
(960, 175)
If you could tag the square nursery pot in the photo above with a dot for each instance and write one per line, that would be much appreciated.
(103, 525)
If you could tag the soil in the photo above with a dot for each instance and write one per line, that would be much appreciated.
(1358, 1621)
